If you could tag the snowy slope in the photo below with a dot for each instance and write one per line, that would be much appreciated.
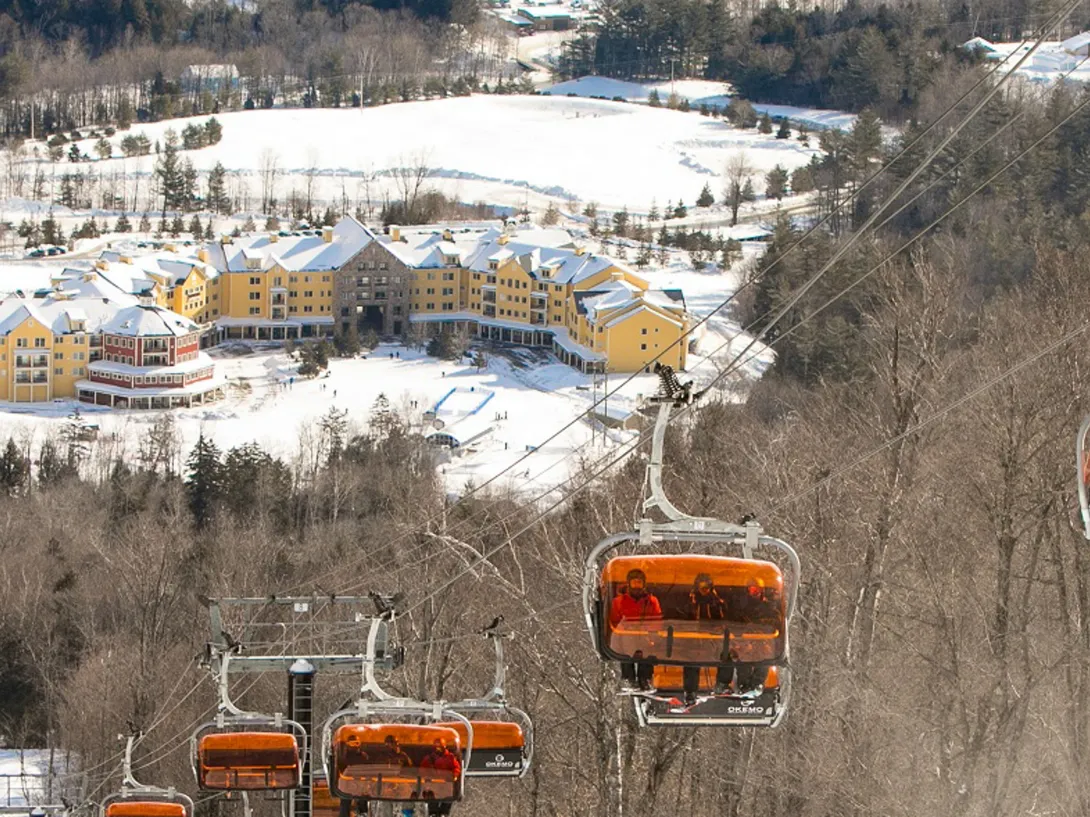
(505, 150)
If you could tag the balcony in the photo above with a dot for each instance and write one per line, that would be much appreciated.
(160, 359)
(536, 294)
(489, 297)
(279, 299)
(279, 312)
(489, 311)
(32, 361)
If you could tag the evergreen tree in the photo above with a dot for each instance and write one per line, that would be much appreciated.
(103, 148)
(653, 213)
(14, 469)
(748, 193)
(145, 224)
(348, 343)
(53, 468)
(706, 198)
(218, 201)
(784, 130)
(51, 231)
(204, 481)
(169, 170)
(765, 125)
(272, 224)
(74, 155)
(681, 210)
(384, 421)
(209, 231)
(551, 217)
(620, 222)
(196, 228)
(248, 226)
(333, 430)
(776, 183)
(653, 99)
(253, 480)
(329, 218)
(177, 226)
(188, 193)
(123, 224)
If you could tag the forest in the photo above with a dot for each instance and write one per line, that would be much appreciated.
(861, 55)
(913, 441)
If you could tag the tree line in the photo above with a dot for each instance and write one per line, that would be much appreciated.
(861, 55)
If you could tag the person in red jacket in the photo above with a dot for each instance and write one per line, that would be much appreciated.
(442, 759)
(634, 603)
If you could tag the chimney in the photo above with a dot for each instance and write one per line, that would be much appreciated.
(502, 239)
(580, 250)
(202, 255)
(273, 238)
(327, 234)
(447, 235)
(395, 232)
(226, 239)
(102, 264)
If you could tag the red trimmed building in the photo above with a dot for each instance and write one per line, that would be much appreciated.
(151, 359)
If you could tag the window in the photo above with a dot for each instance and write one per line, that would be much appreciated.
(382, 265)
(255, 296)
(448, 276)
(448, 290)
(78, 371)
(326, 279)
(429, 307)
(39, 343)
(58, 355)
(448, 307)
(293, 293)
(430, 291)
(643, 331)
(58, 370)
(397, 310)
(306, 279)
(58, 338)
(77, 356)
(255, 310)
(308, 293)
(308, 308)
(21, 343)
(558, 304)
(643, 347)
(278, 281)
(255, 281)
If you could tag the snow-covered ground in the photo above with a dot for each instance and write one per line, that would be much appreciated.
(24, 778)
(506, 150)
(697, 92)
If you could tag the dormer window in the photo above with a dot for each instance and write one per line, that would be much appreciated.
(493, 265)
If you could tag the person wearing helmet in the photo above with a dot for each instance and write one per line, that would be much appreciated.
(442, 759)
(635, 604)
(705, 604)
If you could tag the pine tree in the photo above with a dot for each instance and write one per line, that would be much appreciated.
(14, 469)
(218, 201)
(123, 224)
(169, 170)
(53, 469)
(681, 210)
(653, 99)
(209, 232)
(188, 193)
(784, 130)
(204, 481)
(195, 228)
(51, 231)
(329, 218)
(272, 224)
(620, 222)
(765, 125)
(177, 226)
(653, 213)
(551, 217)
(776, 183)
(145, 224)
(706, 198)
(213, 131)
(384, 422)
(103, 148)
(333, 428)
(248, 226)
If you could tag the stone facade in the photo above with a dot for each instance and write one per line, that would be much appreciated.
(372, 289)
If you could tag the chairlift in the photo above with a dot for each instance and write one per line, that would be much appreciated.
(390, 749)
(502, 735)
(670, 606)
(246, 751)
(138, 800)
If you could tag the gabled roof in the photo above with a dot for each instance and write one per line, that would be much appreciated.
(146, 320)
(1076, 42)
(294, 253)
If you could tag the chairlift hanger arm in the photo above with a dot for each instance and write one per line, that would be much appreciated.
(1081, 470)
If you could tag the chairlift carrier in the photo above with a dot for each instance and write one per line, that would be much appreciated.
(503, 745)
(246, 751)
(138, 800)
(759, 604)
(360, 762)
(1082, 470)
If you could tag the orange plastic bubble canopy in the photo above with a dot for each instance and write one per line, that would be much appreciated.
(490, 735)
(248, 761)
(322, 802)
(694, 610)
(145, 808)
(401, 762)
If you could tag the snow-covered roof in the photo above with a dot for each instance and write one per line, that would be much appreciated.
(295, 252)
(546, 13)
(978, 42)
(147, 320)
(1075, 43)
(201, 361)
